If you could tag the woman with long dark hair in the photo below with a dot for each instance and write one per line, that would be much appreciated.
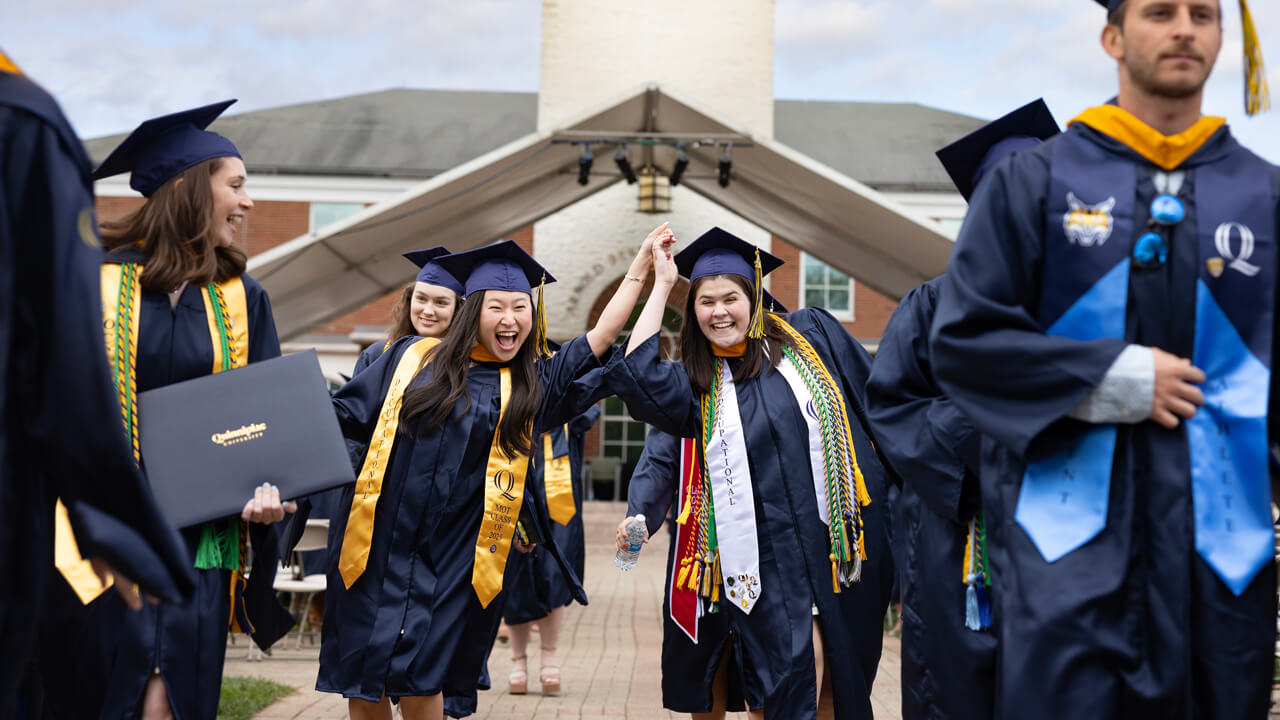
(787, 514)
(177, 306)
(415, 583)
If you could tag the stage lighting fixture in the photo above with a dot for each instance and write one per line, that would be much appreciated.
(726, 166)
(624, 165)
(584, 165)
(682, 164)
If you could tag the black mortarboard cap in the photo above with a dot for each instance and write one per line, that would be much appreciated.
(1110, 5)
(719, 252)
(969, 158)
(501, 266)
(431, 272)
(772, 305)
(162, 147)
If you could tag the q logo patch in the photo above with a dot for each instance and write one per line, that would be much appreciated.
(505, 481)
(85, 226)
(1222, 241)
(1088, 225)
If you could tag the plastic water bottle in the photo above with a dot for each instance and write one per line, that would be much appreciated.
(636, 532)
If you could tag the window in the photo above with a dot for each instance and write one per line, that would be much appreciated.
(826, 287)
(328, 213)
(623, 437)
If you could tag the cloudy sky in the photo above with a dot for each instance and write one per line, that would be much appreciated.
(113, 63)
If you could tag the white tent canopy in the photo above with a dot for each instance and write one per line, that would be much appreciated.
(322, 275)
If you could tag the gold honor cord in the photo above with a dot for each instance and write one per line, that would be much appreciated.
(226, 309)
(559, 479)
(358, 536)
(503, 493)
(119, 293)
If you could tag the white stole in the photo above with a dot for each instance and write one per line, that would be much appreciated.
(734, 504)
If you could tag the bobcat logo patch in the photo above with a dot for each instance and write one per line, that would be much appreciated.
(1088, 225)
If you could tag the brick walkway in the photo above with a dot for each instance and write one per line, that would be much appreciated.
(609, 651)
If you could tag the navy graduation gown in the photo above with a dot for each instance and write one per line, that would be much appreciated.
(688, 668)
(1133, 623)
(116, 650)
(61, 434)
(774, 644)
(411, 624)
(948, 670)
(537, 585)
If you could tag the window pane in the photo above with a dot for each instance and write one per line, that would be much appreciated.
(815, 272)
(613, 431)
(814, 298)
(613, 406)
(323, 214)
(838, 299)
(633, 453)
(635, 431)
(835, 277)
(613, 451)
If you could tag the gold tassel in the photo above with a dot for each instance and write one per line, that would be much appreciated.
(544, 350)
(715, 593)
(755, 328)
(684, 573)
(1256, 98)
(835, 574)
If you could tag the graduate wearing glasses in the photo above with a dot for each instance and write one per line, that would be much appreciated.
(1107, 324)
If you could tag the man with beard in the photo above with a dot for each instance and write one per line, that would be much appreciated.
(1108, 326)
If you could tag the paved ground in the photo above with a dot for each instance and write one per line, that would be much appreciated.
(609, 651)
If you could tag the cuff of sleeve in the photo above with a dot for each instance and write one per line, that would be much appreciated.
(1126, 391)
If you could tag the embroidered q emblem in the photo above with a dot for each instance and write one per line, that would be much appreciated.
(1240, 263)
(1088, 225)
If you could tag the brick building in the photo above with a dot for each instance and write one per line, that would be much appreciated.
(342, 186)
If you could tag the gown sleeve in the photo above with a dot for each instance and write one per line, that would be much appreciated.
(653, 483)
(917, 428)
(656, 391)
(990, 355)
(572, 381)
(358, 403)
(59, 373)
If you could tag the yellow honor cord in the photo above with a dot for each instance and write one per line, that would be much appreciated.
(358, 536)
(544, 350)
(503, 492)
(120, 290)
(559, 480)
(226, 308)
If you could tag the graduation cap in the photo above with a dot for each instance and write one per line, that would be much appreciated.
(502, 266)
(970, 157)
(1256, 97)
(431, 272)
(162, 147)
(719, 252)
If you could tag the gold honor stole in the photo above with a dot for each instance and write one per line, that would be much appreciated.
(358, 537)
(503, 493)
(229, 335)
(559, 479)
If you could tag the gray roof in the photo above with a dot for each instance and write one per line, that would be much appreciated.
(421, 133)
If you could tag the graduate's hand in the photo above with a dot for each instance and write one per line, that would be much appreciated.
(265, 507)
(644, 258)
(623, 541)
(1176, 396)
(520, 545)
(664, 265)
(124, 587)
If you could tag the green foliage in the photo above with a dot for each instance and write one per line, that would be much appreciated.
(243, 697)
